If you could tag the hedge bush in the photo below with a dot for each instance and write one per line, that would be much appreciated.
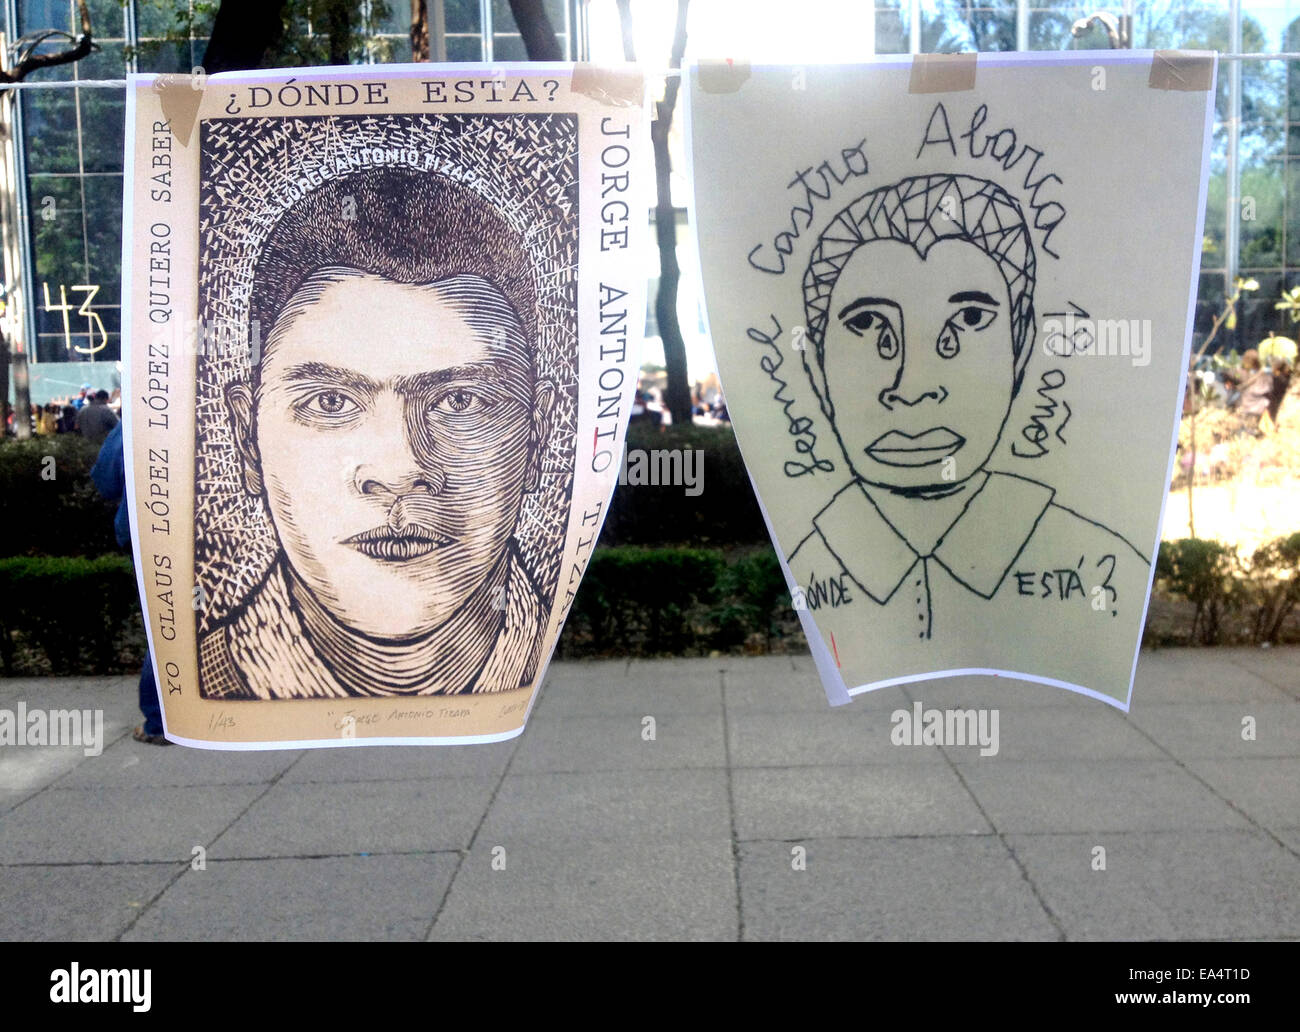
(48, 503)
(69, 615)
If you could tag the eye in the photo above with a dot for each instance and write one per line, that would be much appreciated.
(329, 403)
(865, 322)
(972, 317)
(460, 401)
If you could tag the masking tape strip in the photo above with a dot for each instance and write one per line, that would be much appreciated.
(1188, 70)
(722, 75)
(942, 73)
(617, 87)
(180, 97)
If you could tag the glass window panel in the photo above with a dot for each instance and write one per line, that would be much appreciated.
(394, 21)
(891, 29)
(509, 48)
(173, 58)
(103, 119)
(103, 219)
(464, 48)
(1292, 222)
(106, 20)
(952, 25)
(50, 130)
(503, 19)
(1050, 30)
(462, 16)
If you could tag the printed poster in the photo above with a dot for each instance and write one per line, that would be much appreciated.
(381, 364)
(951, 303)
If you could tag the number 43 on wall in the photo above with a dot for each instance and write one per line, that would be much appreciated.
(91, 317)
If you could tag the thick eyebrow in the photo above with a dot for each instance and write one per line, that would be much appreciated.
(492, 371)
(972, 295)
(323, 372)
(866, 302)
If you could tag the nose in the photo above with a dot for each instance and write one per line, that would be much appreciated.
(390, 468)
(916, 381)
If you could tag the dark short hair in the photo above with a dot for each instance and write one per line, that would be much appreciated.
(402, 224)
(914, 211)
(101, 395)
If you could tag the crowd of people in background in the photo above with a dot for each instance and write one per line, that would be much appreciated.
(91, 413)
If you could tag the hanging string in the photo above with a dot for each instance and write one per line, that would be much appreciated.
(667, 73)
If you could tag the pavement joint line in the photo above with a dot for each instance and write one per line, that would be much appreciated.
(731, 808)
(469, 846)
(1292, 693)
(186, 866)
(54, 781)
(1219, 795)
(229, 859)
(1015, 859)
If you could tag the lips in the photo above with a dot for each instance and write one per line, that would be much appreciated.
(397, 546)
(896, 448)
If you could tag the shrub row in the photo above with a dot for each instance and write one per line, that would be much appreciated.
(1232, 597)
(71, 615)
(48, 503)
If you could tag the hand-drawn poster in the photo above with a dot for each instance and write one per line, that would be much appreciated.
(375, 411)
(951, 305)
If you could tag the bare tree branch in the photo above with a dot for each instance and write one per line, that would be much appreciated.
(31, 62)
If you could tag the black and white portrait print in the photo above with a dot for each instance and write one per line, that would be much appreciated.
(386, 402)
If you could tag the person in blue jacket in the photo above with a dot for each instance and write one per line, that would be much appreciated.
(109, 475)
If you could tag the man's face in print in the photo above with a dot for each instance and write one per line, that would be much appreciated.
(918, 362)
(393, 434)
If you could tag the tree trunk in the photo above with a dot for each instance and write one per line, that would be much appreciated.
(679, 391)
(339, 20)
(536, 29)
(419, 31)
(242, 33)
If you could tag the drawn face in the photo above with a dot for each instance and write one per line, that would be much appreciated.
(394, 440)
(918, 362)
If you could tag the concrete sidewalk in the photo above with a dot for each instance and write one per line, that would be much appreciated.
(692, 835)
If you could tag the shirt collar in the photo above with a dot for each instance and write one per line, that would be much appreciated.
(977, 550)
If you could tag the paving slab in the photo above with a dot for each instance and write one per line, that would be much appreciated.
(319, 819)
(1192, 730)
(131, 764)
(797, 803)
(595, 890)
(1166, 885)
(1093, 732)
(641, 806)
(77, 902)
(116, 825)
(348, 898)
(948, 887)
(1200, 675)
(402, 762)
(622, 743)
(841, 735)
(595, 694)
(1268, 790)
(1078, 795)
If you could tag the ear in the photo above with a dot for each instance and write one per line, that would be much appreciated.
(239, 403)
(543, 409)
